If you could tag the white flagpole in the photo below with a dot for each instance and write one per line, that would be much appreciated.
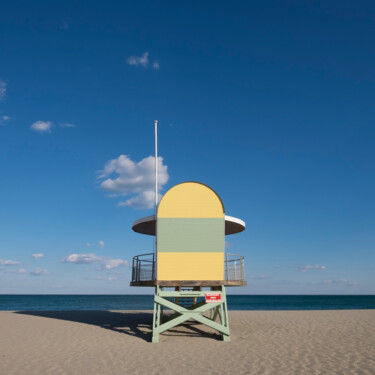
(156, 164)
(154, 266)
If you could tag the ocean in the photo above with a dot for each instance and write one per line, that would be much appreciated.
(145, 302)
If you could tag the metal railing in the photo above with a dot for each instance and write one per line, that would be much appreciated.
(234, 267)
(144, 267)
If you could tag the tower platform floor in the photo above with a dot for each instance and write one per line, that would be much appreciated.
(187, 283)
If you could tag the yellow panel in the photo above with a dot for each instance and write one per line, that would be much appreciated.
(190, 266)
(191, 199)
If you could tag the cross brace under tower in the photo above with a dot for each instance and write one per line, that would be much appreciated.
(195, 312)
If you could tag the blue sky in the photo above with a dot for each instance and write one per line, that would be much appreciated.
(271, 103)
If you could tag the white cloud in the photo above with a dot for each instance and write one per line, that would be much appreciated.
(39, 272)
(109, 264)
(3, 119)
(101, 244)
(9, 262)
(3, 90)
(121, 204)
(134, 178)
(67, 125)
(142, 201)
(14, 271)
(37, 256)
(311, 267)
(42, 126)
(88, 244)
(46, 126)
(106, 263)
(81, 258)
(143, 61)
(138, 60)
(338, 282)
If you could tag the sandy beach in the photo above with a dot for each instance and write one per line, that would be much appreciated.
(118, 342)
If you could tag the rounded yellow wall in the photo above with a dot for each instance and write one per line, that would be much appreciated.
(191, 200)
(190, 234)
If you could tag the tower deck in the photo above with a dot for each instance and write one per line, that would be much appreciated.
(144, 273)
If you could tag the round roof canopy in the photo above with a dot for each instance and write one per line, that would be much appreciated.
(189, 200)
(146, 225)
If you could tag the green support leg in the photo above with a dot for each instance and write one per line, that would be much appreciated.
(195, 312)
(155, 335)
(224, 316)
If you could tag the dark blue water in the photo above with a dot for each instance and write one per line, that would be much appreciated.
(145, 302)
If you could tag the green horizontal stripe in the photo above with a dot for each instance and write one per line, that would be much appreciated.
(190, 235)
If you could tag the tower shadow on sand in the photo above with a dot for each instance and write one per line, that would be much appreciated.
(136, 324)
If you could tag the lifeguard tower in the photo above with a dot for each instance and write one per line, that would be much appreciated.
(189, 267)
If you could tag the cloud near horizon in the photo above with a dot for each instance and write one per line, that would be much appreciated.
(9, 262)
(39, 272)
(37, 256)
(134, 178)
(106, 263)
(311, 267)
(338, 282)
(81, 258)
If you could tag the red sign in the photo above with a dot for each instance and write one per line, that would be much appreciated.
(213, 297)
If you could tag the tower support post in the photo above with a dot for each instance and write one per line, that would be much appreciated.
(198, 310)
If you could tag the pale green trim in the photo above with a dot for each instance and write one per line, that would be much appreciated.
(191, 235)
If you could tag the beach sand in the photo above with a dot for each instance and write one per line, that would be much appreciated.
(118, 342)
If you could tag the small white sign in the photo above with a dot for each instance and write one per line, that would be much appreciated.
(212, 297)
